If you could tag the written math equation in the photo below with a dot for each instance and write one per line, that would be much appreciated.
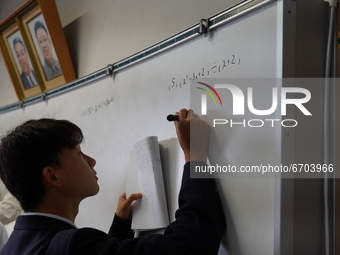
(94, 109)
(204, 72)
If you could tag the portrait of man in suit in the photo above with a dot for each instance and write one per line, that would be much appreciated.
(27, 75)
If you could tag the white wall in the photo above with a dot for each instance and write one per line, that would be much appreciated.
(7, 92)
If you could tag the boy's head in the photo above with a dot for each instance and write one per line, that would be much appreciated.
(27, 150)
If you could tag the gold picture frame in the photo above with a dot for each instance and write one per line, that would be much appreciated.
(34, 48)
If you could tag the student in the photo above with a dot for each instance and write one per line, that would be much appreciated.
(9, 210)
(42, 164)
(10, 207)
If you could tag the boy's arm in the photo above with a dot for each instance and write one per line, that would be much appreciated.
(200, 221)
(121, 229)
(193, 136)
(199, 224)
(121, 226)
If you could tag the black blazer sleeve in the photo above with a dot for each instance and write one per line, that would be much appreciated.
(121, 229)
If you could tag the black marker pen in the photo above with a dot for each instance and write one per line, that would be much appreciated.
(172, 117)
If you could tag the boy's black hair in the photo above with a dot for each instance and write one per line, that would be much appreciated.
(27, 150)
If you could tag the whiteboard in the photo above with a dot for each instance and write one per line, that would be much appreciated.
(114, 113)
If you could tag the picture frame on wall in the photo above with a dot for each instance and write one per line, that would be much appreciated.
(44, 47)
(23, 62)
(37, 25)
(19, 62)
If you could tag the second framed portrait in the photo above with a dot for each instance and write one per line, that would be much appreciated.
(44, 47)
(40, 37)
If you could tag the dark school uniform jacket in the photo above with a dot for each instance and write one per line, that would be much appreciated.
(25, 81)
(198, 229)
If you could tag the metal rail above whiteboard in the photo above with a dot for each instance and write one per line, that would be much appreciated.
(202, 28)
(214, 22)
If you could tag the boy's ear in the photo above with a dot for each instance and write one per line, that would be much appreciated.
(51, 177)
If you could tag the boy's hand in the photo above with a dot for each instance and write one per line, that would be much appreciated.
(195, 140)
(124, 205)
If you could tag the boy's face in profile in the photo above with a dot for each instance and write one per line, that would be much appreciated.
(76, 174)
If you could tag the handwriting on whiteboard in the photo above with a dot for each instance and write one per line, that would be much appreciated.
(94, 109)
(204, 72)
(52, 115)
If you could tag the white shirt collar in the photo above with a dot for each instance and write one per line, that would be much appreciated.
(52, 216)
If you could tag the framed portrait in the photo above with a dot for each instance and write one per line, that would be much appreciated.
(44, 47)
(19, 63)
(36, 30)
